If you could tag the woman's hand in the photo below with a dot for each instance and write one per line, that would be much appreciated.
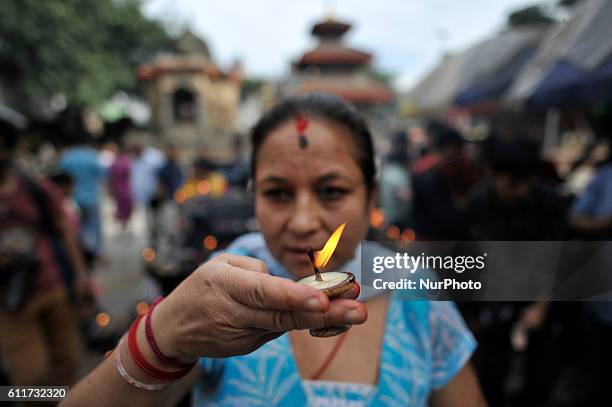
(231, 306)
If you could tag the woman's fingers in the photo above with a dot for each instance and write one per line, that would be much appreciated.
(267, 292)
(231, 306)
(340, 312)
(260, 290)
(243, 262)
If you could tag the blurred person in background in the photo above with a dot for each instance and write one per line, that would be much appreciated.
(591, 218)
(81, 161)
(86, 300)
(146, 162)
(47, 156)
(114, 135)
(395, 184)
(237, 173)
(513, 203)
(442, 180)
(169, 236)
(170, 175)
(38, 324)
(108, 153)
(120, 187)
(236, 328)
(65, 183)
(585, 167)
(591, 214)
(25, 158)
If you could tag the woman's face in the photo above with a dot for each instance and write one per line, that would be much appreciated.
(303, 195)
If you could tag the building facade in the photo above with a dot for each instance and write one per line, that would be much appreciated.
(193, 102)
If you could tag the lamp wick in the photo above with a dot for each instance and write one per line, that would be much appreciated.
(314, 266)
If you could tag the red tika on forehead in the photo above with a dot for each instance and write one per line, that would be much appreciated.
(301, 124)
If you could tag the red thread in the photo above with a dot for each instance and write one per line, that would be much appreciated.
(153, 343)
(145, 366)
(330, 357)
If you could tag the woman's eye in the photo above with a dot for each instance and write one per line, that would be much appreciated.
(278, 194)
(332, 193)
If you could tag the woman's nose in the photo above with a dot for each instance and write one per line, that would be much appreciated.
(305, 217)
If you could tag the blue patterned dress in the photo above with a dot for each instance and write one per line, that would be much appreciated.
(424, 345)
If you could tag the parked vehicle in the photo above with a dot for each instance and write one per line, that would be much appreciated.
(188, 233)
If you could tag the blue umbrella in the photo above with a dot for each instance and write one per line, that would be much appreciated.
(573, 65)
(495, 85)
(567, 86)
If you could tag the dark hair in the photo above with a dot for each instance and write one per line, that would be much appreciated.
(399, 148)
(324, 106)
(517, 158)
(443, 135)
(62, 179)
(12, 124)
(202, 164)
(8, 136)
(71, 127)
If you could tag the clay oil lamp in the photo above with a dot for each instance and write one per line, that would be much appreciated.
(334, 284)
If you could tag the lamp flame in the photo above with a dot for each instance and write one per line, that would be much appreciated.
(323, 256)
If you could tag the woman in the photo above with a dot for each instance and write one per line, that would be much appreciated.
(313, 169)
(119, 182)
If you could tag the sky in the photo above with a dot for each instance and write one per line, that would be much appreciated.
(407, 37)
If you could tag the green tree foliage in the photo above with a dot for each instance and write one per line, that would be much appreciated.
(83, 49)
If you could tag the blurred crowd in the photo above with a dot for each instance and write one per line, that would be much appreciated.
(444, 189)
(502, 190)
(52, 240)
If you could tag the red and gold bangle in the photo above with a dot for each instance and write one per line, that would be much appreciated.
(145, 366)
(163, 359)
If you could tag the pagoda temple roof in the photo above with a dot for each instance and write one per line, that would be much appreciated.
(332, 54)
(356, 90)
(330, 27)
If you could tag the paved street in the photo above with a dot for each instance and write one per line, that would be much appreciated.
(119, 279)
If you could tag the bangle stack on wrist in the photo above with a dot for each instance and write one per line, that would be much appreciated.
(166, 377)
(129, 378)
(163, 359)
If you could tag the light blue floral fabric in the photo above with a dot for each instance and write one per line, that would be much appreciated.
(424, 345)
